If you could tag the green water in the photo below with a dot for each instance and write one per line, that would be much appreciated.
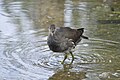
(24, 54)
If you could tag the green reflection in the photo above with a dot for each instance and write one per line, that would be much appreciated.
(95, 16)
(66, 74)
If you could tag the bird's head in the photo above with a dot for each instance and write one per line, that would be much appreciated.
(52, 29)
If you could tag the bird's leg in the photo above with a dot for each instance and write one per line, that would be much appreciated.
(72, 57)
(65, 57)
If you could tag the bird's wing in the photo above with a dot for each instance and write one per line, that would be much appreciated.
(69, 33)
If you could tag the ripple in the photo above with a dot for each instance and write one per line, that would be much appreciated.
(20, 56)
(97, 51)
(32, 58)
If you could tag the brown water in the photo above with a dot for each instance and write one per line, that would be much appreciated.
(24, 54)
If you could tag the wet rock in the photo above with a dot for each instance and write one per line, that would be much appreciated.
(104, 75)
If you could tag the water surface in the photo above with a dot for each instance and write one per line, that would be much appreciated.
(24, 54)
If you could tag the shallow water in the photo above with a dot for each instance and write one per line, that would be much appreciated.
(24, 54)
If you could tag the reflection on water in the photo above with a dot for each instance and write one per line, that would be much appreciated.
(67, 74)
(23, 34)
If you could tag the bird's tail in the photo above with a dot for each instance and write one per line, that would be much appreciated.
(84, 37)
(82, 30)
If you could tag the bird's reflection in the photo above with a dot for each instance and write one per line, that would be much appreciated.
(66, 73)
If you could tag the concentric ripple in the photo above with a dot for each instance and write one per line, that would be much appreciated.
(20, 56)
(97, 51)
(34, 59)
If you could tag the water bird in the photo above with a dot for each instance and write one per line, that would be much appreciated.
(64, 39)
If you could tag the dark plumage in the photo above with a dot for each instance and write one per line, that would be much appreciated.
(64, 39)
